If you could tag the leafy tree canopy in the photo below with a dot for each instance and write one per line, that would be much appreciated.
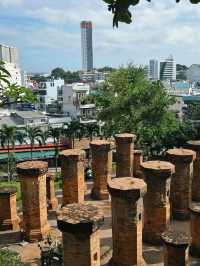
(129, 103)
(121, 12)
(58, 73)
(193, 111)
(12, 93)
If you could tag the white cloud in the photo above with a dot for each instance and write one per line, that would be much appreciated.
(10, 3)
(158, 28)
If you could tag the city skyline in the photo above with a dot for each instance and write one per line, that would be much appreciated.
(47, 34)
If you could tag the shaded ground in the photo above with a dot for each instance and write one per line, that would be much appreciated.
(153, 256)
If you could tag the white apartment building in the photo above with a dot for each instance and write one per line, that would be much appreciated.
(46, 92)
(168, 69)
(9, 56)
(70, 97)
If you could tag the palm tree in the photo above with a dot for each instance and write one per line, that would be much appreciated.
(9, 135)
(92, 129)
(55, 133)
(34, 134)
(73, 130)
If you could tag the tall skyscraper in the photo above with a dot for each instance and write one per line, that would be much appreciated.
(86, 46)
(153, 69)
(168, 69)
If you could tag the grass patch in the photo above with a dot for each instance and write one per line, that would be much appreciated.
(15, 184)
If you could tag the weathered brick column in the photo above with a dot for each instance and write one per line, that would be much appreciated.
(195, 146)
(181, 182)
(51, 195)
(157, 175)
(80, 225)
(73, 175)
(176, 248)
(8, 209)
(195, 229)
(101, 168)
(137, 161)
(124, 154)
(32, 176)
(127, 207)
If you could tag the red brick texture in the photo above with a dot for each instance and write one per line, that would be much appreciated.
(137, 161)
(101, 168)
(8, 210)
(127, 208)
(32, 176)
(195, 229)
(195, 146)
(124, 154)
(72, 170)
(181, 182)
(52, 201)
(157, 175)
(176, 249)
(79, 224)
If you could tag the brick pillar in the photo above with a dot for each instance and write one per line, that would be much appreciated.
(137, 161)
(181, 182)
(195, 146)
(127, 207)
(51, 195)
(8, 209)
(101, 168)
(72, 169)
(80, 225)
(32, 176)
(195, 229)
(124, 154)
(157, 175)
(176, 248)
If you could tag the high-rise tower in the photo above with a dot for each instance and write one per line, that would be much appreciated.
(86, 46)
(168, 69)
(153, 69)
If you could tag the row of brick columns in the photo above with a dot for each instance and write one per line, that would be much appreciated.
(80, 222)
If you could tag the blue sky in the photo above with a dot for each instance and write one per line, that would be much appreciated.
(47, 32)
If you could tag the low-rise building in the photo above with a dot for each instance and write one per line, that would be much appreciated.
(70, 97)
(46, 92)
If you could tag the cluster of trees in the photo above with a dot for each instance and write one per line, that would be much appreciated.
(12, 93)
(181, 72)
(127, 102)
(68, 76)
(10, 136)
(121, 12)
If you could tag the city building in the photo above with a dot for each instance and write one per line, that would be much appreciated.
(9, 55)
(94, 76)
(70, 97)
(146, 71)
(168, 69)
(86, 46)
(88, 113)
(193, 73)
(153, 69)
(46, 92)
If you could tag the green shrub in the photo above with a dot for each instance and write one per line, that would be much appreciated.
(10, 258)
